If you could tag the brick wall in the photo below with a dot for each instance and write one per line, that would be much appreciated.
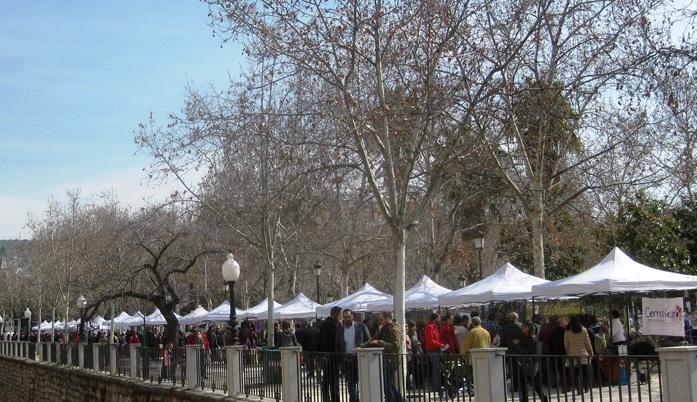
(22, 380)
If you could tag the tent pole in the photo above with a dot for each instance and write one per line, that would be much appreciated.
(609, 295)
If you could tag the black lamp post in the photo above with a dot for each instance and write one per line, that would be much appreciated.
(318, 272)
(479, 245)
(81, 304)
(231, 273)
(462, 279)
(27, 316)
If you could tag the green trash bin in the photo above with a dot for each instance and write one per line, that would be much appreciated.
(271, 362)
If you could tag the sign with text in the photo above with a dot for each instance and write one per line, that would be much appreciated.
(561, 308)
(663, 316)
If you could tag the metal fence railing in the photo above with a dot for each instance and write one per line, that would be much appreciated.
(328, 376)
(214, 371)
(63, 355)
(580, 378)
(262, 373)
(45, 348)
(104, 358)
(405, 377)
(54, 353)
(74, 356)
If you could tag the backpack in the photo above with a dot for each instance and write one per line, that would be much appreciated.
(599, 342)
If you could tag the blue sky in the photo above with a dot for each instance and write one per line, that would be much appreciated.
(76, 77)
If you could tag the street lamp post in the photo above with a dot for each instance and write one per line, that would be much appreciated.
(462, 279)
(479, 245)
(81, 305)
(318, 272)
(231, 273)
(27, 316)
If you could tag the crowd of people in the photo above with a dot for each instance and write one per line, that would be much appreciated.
(576, 340)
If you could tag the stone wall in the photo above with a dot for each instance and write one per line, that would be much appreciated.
(23, 380)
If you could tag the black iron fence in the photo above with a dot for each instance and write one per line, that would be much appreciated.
(581, 378)
(328, 376)
(74, 356)
(214, 370)
(262, 373)
(123, 360)
(104, 357)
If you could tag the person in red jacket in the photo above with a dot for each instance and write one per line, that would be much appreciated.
(446, 331)
(434, 347)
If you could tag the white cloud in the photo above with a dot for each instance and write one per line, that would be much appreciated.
(130, 185)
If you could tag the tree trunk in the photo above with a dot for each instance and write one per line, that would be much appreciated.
(399, 238)
(172, 327)
(537, 238)
(271, 298)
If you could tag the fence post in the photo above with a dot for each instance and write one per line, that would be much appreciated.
(113, 368)
(290, 364)
(678, 373)
(487, 366)
(95, 356)
(193, 365)
(81, 355)
(235, 368)
(133, 358)
(369, 373)
(69, 354)
(40, 351)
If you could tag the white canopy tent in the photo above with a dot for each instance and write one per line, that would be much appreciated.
(423, 295)
(261, 310)
(44, 326)
(358, 301)
(198, 315)
(156, 318)
(134, 321)
(119, 321)
(222, 312)
(616, 273)
(300, 307)
(506, 284)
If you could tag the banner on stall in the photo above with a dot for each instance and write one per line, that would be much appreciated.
(561, 308)
(663, 316)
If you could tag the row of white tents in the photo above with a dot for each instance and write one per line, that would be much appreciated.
(616, 273)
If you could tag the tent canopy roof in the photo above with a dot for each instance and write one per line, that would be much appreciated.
(507, 283)
(616, 273)
(199, 314)
(261, 310)
(423, 295)
(357, 301)
(299, 307)
(222, 312)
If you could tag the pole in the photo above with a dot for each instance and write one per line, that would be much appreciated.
(481, 276)
(319, 298)
(53, 325)
(111, 336)
(233, 312)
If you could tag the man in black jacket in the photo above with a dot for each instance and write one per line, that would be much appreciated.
(349, 336)
(326, 344)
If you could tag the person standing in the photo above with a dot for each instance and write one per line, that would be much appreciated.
(446, 331)
(287, 335)
(477, 337)
(460, 324)
(348, 337)
(511, 339)
(388, 337)
(530, 365)
(579, 349)
(326, 343)
(617, 336)
(434, 347)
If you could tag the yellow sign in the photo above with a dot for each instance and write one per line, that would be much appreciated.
(561, 308)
